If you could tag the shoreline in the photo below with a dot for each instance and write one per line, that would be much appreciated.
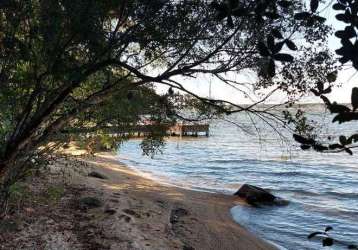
(66, 206)
(204, 220)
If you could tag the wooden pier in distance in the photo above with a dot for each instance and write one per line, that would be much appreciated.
(189, 130)
(179, 129)
(141, 130)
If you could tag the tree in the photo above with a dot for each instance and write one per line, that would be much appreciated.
(65, 62)
(347, 14)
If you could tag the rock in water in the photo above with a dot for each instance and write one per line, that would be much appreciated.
(256, 195)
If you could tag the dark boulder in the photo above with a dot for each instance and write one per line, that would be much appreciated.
(256, 196)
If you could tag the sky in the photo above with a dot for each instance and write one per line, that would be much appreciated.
(347, 78)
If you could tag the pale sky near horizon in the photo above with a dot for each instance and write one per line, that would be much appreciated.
(348, 77)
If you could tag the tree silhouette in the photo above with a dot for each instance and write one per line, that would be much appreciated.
(347, 14)
(65, 65)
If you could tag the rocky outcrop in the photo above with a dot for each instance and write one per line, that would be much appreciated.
(255, 196)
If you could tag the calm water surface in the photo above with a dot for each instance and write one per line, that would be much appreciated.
(322, 188)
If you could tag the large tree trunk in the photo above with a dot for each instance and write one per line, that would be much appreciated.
(4, 188)
(8, 176)
(4, 196)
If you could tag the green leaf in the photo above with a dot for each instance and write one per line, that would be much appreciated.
(263, 50)
(271, 69)
(348, 33)
(283, 57)
(277, 48)
(320, 86)
(338, 6)
(276, 33)
(343, 18)
(338, 108)
(291, 45)
(327, 90)
(345, 117)
(353, 138)
(318, 18)
(348, 151)
(332, 77)
(271, 42)
(230, 22)
(302, 15)
(315, 92)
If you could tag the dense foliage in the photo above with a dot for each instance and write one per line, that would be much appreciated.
(88, 68)
(68, 66)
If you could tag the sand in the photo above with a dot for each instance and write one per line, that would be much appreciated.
(136, 212)
(167, 217)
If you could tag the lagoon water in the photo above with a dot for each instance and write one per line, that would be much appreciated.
(322, 188)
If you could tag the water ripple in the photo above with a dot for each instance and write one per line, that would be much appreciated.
(322, 188)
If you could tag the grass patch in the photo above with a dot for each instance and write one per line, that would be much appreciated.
(54, 193)
(18, 191)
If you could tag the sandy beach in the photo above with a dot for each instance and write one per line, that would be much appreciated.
(136, 213)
